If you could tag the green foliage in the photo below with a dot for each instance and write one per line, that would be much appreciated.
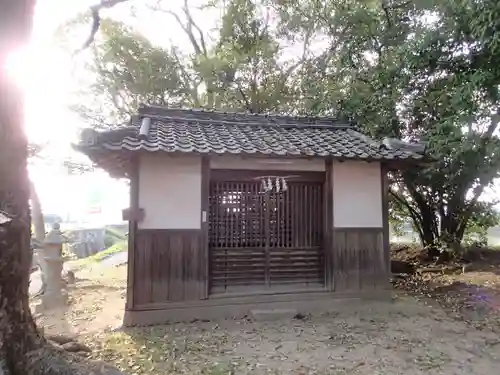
(413, 70)
(483, 217)
(418, 70)
(118, 247)
(113, 236)
(129, 70)
(240, 69)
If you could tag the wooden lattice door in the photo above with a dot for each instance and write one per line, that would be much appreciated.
(265, 240)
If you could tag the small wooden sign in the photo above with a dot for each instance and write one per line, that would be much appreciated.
(128, 214)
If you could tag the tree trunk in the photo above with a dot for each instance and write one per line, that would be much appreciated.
(23, 350)
(449, 234)
(37, 214)
(18, 333)
(430, 239)
(39, 224)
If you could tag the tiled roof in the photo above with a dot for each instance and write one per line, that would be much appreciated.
(196, 131)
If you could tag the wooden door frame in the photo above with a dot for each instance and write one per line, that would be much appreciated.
(328, 224)
(267, 246)
(204, 217)
(237, 175)
(242, 175)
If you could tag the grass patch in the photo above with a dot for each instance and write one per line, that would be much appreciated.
(116, 248)
(113, 236)
(84, 262)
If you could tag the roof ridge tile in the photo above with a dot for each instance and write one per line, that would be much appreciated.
(240, 118)
(185, 132)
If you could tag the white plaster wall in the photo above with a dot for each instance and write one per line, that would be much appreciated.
(170, 191)
(265, 163)
(357, 195)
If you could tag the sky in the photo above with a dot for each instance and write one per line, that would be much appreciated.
(50, 77)
(47, 73)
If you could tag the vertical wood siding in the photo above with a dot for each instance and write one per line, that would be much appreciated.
(169, 266)
(358, 259)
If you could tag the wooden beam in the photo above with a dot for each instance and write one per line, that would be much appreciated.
(385, 212)
(132, 230)
(328, 223)
(205, 210)
(255, 175)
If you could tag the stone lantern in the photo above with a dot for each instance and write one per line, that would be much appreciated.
(52, 254)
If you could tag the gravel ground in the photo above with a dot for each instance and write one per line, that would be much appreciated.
(405, 337)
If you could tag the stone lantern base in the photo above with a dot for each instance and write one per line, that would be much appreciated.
(52, 301)
(55, 300)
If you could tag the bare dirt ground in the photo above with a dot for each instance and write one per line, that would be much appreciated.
(95, 304)
(406, 337)
(472, 296)
(415, 334)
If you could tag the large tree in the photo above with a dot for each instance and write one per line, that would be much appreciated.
(240, 65)
(23, 350)
(415, 70)
(18, 333)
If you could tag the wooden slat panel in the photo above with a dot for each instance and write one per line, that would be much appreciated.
(233, 277)
(297, 264)
(222, 285)
(359, 260)
(236, 239)
(302, 254)
(159, 280)
(170, 266)
(142, 282)
(271, 237)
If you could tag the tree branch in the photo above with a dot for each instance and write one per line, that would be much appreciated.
(244, 97)
(96, 20)
(192, 91)
(305, 45)
(188, 29)
(266, 25)
(417, 219)
(192, 24)
(387, 14)
(428, 216)
(285, 75)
